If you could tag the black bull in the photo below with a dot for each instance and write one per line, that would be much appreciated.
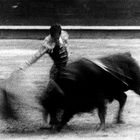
(84, 86)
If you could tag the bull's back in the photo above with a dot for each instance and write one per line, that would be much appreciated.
(86, 76)
(83, 67)
(82, 76)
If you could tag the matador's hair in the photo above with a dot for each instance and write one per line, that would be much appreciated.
(54, 29)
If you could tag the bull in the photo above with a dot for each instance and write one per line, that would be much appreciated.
(85, 85)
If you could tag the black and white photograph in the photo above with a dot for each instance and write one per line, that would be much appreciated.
(70, 69)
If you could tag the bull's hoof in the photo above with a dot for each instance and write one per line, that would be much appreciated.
(46, 128)
(55, 129)
(120, 122)
(100, 127)
(58, 128)
(52, 129)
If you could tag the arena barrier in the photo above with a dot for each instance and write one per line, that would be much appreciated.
(75, 32)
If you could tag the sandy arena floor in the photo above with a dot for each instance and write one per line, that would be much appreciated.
(30, 83)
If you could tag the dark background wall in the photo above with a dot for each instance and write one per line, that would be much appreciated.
(70, 12)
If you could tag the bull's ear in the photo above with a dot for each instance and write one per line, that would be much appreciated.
(57, 87)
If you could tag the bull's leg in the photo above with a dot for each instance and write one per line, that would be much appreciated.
(50, 119)
(101, 114)
(47, 119)
(121, 99)
(65, 118)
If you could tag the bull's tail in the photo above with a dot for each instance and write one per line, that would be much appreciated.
(7, 109)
